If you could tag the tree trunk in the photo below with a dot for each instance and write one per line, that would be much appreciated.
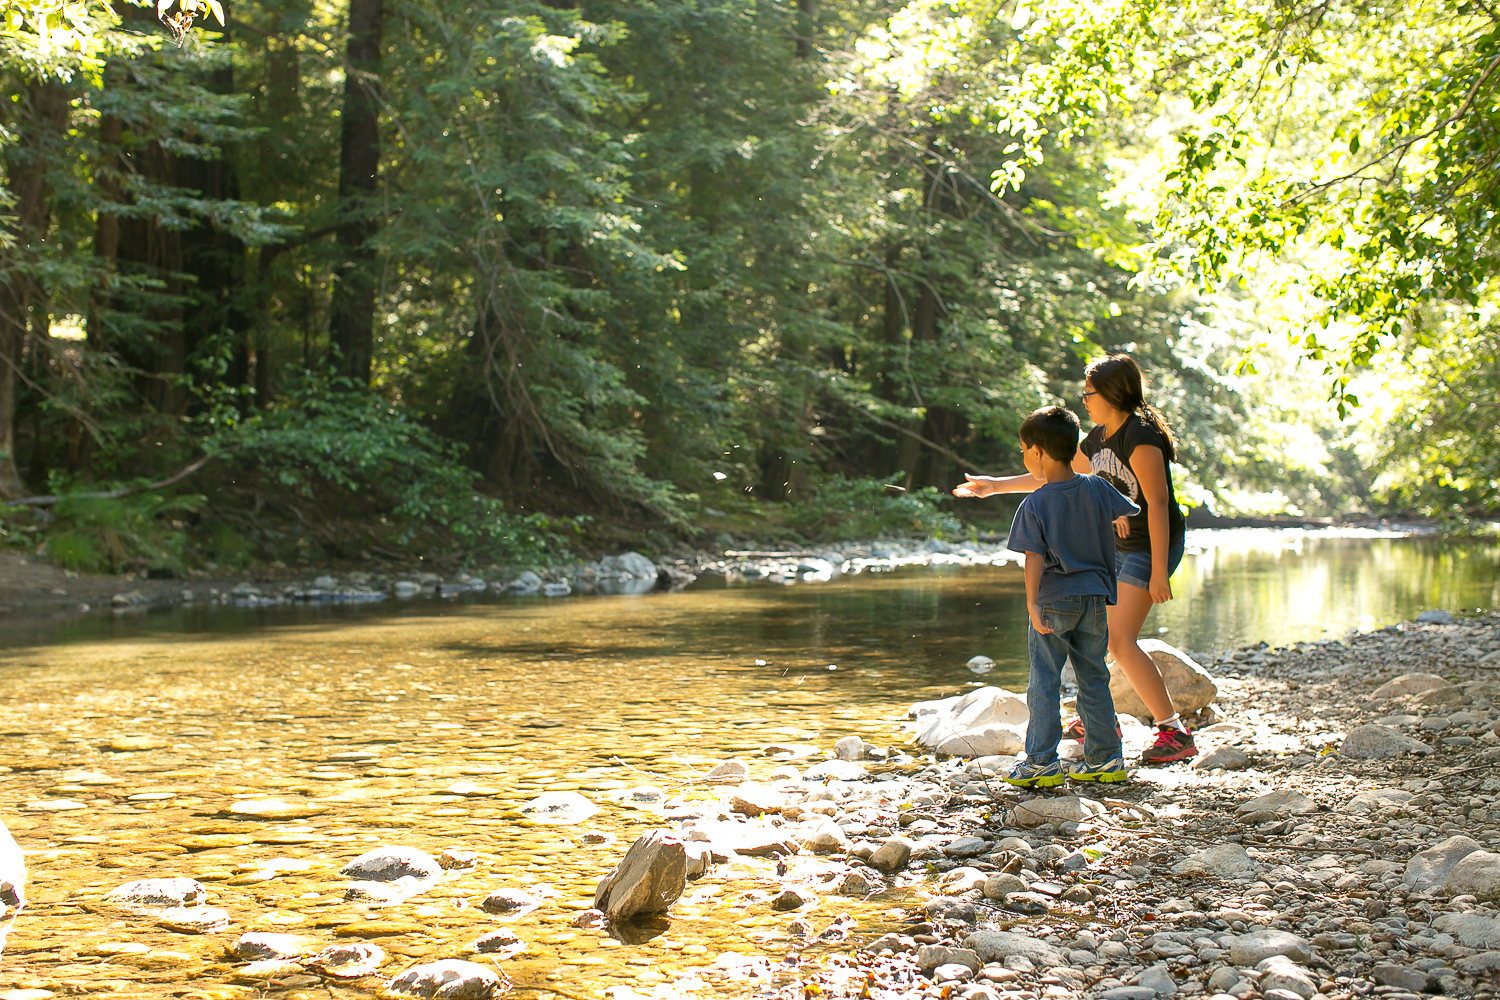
(39, 115)
(351, 326)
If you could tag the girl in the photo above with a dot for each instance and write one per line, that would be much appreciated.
(1132, 447)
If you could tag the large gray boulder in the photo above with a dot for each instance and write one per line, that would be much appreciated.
(12, 883)
(1473, 930)
(649, 879)
(1477, 875)
(1372, 742)
(1192, 688)
(981, 723)
(1429, 869)
(995, 946)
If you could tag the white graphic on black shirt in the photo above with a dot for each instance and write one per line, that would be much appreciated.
(1107, 464)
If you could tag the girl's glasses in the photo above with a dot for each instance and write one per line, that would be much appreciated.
(1087, 394)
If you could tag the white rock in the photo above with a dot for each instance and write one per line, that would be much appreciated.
(849, 748)
(156, 894)
(1055, 809)
(980, 664)
(990, 741)
(973, 724)
(448, 979)
(1372, 742)
(1477, 875)
(352, 960)
(993, 946)
(931, 956)
(1249, 950)
(631, 564)
(1430, 869)
(1376, 798)
(1281, 801)
(1229, 758)
(1408, 684)
(1192, 688)
(12, 882)
(1281, 973)
(649, 879)
(387, 864)
(1220, 861)
(560, 808)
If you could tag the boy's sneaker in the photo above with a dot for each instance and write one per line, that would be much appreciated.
(1074, 730)
(1109, 771)
(1025, 775)
(1171, 744)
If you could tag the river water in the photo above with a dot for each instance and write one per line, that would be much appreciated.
(151, 728)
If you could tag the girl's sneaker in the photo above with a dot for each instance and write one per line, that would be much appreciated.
(1025, 775)
(1171, 744)
(1074, 730)
(1109, 771)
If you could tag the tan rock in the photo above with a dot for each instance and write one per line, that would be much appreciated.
(1192, 688)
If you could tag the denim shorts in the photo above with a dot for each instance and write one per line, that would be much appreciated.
(1134, 568)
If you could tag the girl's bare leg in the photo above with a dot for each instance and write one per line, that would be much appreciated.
(1125, 621)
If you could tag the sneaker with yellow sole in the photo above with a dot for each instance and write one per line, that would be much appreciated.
(1110, 771)
(1026, 775)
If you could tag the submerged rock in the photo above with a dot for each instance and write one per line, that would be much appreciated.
(503, 942)
(449, 979)
(649, 879)
(348, 961)
(155, 894)
(387, 864)
(561, 808)
(512, 902)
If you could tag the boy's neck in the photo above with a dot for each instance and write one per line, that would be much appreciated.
(1056, 472)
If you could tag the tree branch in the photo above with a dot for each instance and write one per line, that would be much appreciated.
(124, 491)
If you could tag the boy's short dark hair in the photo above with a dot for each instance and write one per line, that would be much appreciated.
(1054, 430)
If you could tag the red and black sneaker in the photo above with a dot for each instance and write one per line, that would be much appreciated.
(1074, 730)
(1171, 744)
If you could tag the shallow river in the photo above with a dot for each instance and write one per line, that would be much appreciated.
(150, 728)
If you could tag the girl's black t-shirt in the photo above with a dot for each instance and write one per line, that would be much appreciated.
(1110, 457)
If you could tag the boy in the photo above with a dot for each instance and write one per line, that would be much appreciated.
(1066, 529)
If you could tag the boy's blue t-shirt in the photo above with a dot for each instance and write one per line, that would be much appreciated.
(1071, 524)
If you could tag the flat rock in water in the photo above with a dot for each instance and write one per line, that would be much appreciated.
(994, 946)
(348, 961)
(1409, 684)
(266, 969)
(561, 808)
(1220, 861)
(1229, 758)
(1430, 868)
(172, 892)
(1372, 742)
(256, 947)
(450, 979)
(273, 809)
(503, 941)
(387, 864)
(194, 919)
(1192, 687)
(1376, 798)
(511, 902)
(1282, 802)
(1477, 875)
(134, 744)
(1249, 950)
(649, 879)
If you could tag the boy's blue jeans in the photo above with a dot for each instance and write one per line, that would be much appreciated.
(1080, 631)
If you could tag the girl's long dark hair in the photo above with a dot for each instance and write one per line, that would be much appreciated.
(1118, 379)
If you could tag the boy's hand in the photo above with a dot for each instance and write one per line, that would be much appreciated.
(976, 486)
(1122, 526)
(1035, 610)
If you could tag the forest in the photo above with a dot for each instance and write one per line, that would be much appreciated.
(294, 281)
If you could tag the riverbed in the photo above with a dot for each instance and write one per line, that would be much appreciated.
(131, 741)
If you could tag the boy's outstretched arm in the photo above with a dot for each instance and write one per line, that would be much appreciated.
(1034, 584)
(983, 486)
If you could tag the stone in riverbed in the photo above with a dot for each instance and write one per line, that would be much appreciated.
(849, 748)
(560, 808)
(1229, 758)
(1220, 861)
(835, 770)
(967, 847)
(791, 899)
(1191, 686)
(730, 772)
(12, 881)
(854, 884)
(1408, 684)
(387, 864)
(1376, 798)
(1249, 950)
(982, 722)
(1372, 742)
(449, 979)
(756, 800)
(1478, 875)
(156, 894)
(649, 879)
(510, 902)
(1055, 809)
(1158, 979)
(503, 942)
(194, 919)
(1281, 802)
(348, 961)
(993, 946)
(266, 808)
(1400, 976)
(1281, 973)
(891, 855)
(1002, 885)
(256, 947)
(930, 956)
(1430, 868)
(1473, 930)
